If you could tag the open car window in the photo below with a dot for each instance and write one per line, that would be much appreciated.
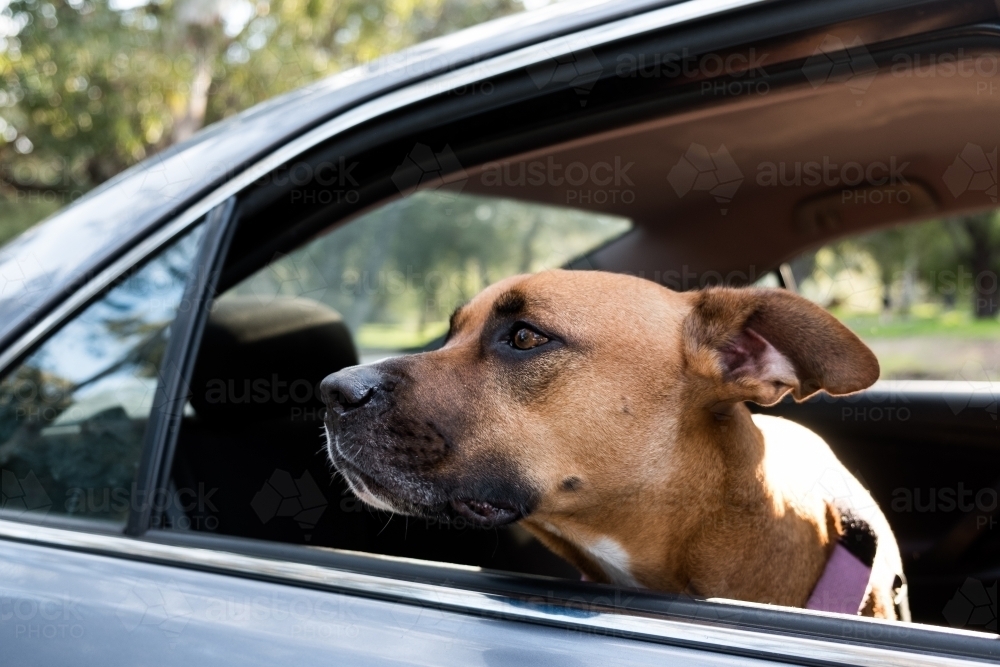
(382, 284)
(923, 297)
(396, 274)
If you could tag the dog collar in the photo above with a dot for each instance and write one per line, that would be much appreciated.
(842, 586)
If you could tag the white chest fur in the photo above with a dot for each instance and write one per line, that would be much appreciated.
(606, 553)
(611, 558)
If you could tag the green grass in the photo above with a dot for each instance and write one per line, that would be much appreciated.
(949, 324)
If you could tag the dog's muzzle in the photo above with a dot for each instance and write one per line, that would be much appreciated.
(350, 432)
(391, 453)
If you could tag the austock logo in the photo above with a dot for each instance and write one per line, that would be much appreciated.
(40, 616)
(283, 496)
(974, 605)
(22, 275)
(19, 496)
(833, 61)
(579, 69)
(973, 394)
(979, 398)
(974, 170)
(162, 605)
(700, 170)
(423, 169)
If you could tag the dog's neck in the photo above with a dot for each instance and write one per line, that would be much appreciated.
(699, 531)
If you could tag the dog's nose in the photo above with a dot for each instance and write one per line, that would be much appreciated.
(350, 388)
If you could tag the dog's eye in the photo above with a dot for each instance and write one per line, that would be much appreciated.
(525, 339)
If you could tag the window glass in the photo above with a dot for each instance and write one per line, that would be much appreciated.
(73, 415)
(395, 275)
(924, 297)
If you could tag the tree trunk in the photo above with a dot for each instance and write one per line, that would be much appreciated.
(986, 302)
(527, 256)
(201, 23)
(194, 113)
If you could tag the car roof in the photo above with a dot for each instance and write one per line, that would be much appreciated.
(41, 266)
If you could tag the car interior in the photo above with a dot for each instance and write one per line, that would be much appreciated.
(267, 460)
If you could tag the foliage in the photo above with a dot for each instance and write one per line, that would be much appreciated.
(953, 263)
(89, 87)
(397, 273)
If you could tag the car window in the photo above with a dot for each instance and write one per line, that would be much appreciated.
(396, 274)
(73, 414)
(382, 284)
(923, 297)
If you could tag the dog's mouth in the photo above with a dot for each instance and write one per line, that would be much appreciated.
(485, 513)
(417, 497)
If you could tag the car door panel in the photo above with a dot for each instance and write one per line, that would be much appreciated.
(103, 610)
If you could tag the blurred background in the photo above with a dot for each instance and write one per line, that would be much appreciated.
(924, 297)
(90, 87)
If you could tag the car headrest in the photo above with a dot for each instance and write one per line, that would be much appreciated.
(262, 360)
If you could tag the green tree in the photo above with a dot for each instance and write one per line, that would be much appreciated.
(408, 264)
(957, 258)
(89, 87)
(977, 246)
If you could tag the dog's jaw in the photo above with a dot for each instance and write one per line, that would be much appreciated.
(390, 489)
(356, 485)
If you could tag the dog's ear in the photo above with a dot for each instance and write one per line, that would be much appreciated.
(762, 343)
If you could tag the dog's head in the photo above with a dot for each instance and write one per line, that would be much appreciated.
(564, 392)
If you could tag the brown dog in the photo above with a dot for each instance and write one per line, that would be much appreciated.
(606, 413)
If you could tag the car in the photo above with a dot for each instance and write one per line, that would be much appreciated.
(165, 492)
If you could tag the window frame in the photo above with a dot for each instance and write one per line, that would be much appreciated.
(171, 390)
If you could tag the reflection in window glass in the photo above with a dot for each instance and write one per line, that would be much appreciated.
(923, 297)
(396, 274)
(73, 415)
